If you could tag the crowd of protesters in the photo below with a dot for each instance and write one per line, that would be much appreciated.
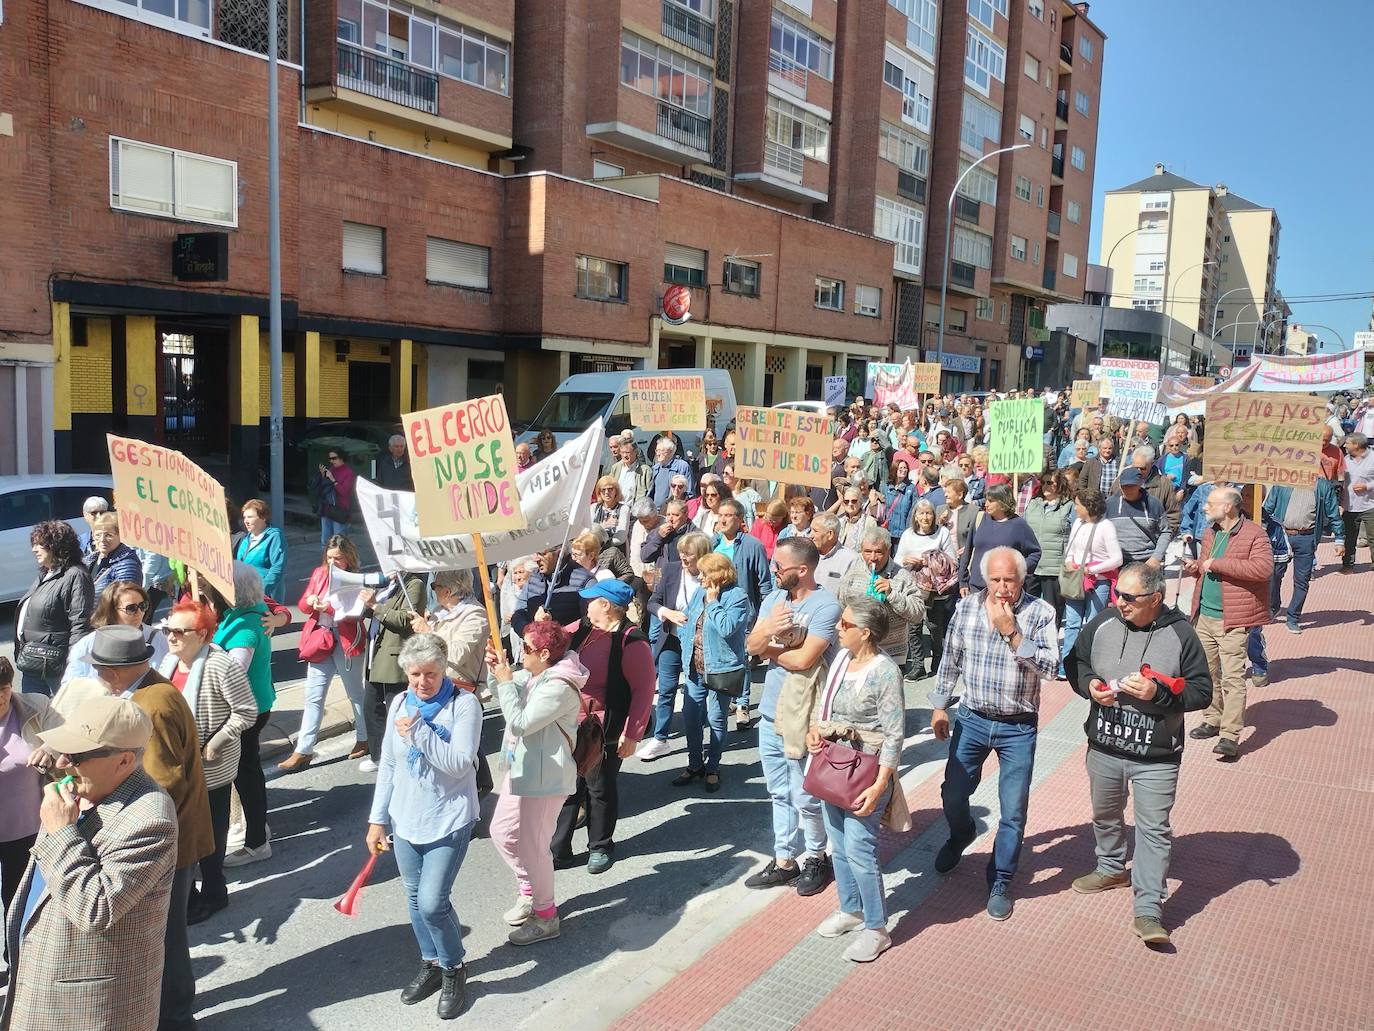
(914, 561)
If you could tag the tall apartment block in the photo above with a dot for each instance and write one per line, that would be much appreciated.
(1202, 255)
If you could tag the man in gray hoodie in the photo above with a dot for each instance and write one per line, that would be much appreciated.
(1140, 519)
(1142, 667)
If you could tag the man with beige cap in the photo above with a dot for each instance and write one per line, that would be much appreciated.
(86, 927)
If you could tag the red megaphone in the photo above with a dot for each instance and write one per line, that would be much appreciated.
(1174, 684)
(348, 905)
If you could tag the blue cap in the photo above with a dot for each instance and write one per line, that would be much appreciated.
(617, 592)
(1131, 477)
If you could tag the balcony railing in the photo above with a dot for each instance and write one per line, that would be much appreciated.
(688, 28)
(386, 79)
(787, 73)
(1054, 222)
(1066, 53)
(966, 208)
(961, 273)
(1047, 281)
(684, 127)
(783, 161)
(1057, 166)
(1061, 108)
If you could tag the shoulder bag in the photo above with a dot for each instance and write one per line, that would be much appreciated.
(317, 642)
(839, 774)
(590, 746)
(40, 659)
(1071, 580)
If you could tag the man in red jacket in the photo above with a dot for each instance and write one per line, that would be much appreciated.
(1234, 566)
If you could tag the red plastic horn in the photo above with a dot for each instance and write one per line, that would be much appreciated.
(348, 905)
(1174, 684)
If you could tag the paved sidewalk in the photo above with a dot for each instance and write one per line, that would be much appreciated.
(1268, 906)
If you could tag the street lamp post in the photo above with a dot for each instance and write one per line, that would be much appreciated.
(1102, 305)
(949, 233)
(278, 484)
(1215, 307)
(1318, 325)
(1259, 327)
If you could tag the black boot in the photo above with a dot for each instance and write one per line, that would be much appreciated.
(451, 999)
(425, 984)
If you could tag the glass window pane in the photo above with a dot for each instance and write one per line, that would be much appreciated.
(350, 20)
(164, 7)
(374, 28)
(472, 60)
(422, 43)
(496, 71)
(195, 12)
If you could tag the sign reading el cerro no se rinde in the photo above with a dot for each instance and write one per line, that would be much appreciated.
(783, 445)
(169, 505)
(675, 403)
(464, 465)
(1269, 438)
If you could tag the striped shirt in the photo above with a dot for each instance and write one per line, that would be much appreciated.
(997, 680)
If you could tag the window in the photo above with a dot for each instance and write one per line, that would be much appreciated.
(1027, 127)
(868, 301)
(665, 74)
(905, 227)
(1080, 102)
(188, 12)
(795, 51)
(457, 264)
(796, 130)
(983, 10)
(741, 277)
(830, 293)
(1044, 137)
(172, 183)
(601, 280)
(983, 308)
(984, 60)
(606, 170)
(1225, 258)
(958, 320)
(972, 248)
(1142, 284)
(1074, 212)
(1031, 66)
(412, 36)
(914, 81)
(1023, 187)
(1226, 238)
(1035, 254)
(1071, 266)
(903, 149)
(685, 265)
(980, 184)
(1037, 9)
(980, 122)
(920, 24)
(1003, 316)
(1221, 314)
(1085, 47)
(1078, 158)
(364, 248)
(1039, 196)
(1157, 265)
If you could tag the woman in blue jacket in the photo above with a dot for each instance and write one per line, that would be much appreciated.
(263, 548)
(712, 638)
(901, 498)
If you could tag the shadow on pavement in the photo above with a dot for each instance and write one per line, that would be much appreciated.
(1274, 717)
(1339, 617)
(1317, 665)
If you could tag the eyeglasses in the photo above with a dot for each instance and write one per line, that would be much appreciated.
(844, 624)
(608, 490)
(335, 458)
(94, 753)
(139, 606)
(851, 501)
(1130, 598)
(105, 536)
(679, 486)
(710, 494)
(179, 631)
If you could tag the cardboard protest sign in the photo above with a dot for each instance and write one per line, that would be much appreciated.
(1272, 438)
(1086, 393)
(169, 505)
(463, 461)
(925, 377)
(554, 495)
(676, 403)
(1133, 386)
(834, 391)
(1016, 436)
(788, 446)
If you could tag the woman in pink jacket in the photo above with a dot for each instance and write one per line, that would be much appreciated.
(1092, 547)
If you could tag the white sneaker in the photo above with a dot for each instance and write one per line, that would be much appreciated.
(520, 912)
(839, 923)
(652, 748)
(245, 855)
(868, 946)
(237, 832)
(367, 766)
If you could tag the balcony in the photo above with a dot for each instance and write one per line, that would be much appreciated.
(1066, 54)
(1047, 280)
(961, 273)
(1057, 166)
(782, 175)
(783, 161)
(1061, 107)
(379, 76)
(1052, 227)
(684, 127)
(689, 29)
(787, 74)
(967, 209)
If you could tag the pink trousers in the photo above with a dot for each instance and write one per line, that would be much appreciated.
(522, 830)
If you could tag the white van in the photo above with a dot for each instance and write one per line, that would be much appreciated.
(582, 398)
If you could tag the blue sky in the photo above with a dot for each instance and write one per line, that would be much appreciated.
(1265, 97)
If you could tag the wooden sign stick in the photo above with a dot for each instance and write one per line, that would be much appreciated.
(494, 624)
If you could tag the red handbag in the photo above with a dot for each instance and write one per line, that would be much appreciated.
(839, 774)
(317, 642)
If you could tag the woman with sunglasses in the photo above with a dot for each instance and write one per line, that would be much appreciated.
(122, 603)
(221, 698)
(713, 492)
(862, 706)
(710, 451)
(545, 444)
(610, 512)
(332, 491)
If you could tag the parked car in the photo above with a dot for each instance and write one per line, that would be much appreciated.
(28, 500)
(814, 407)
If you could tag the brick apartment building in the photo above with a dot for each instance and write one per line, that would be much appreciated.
(475, 193)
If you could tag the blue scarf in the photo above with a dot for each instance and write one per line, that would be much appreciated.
(427, 711)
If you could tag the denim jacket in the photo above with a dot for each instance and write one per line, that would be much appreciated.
(722, 637)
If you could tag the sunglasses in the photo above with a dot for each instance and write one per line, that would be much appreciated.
(1130, 598)
(178, 631)
(844, 624)
(335, 458)
(710, 494)
(779, 570)
(95, 753)
(139, 606)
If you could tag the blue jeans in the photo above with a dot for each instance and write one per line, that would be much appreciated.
(797, 819)
(1255, 652)
(317, 678)
(328, 528)
(428, 872)
(854, 853)
(1078, 613)
(974, 738)
(32, 683)
(701, 708)
(1304, 558)
(669, 673)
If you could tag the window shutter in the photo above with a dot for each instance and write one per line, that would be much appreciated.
(363, 248)
(205, 189)
(141, 178)
(684, 257)
(458, 264)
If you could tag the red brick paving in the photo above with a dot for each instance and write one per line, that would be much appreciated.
(1269, 885)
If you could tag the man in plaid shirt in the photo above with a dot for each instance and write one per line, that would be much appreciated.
(1002, 642)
